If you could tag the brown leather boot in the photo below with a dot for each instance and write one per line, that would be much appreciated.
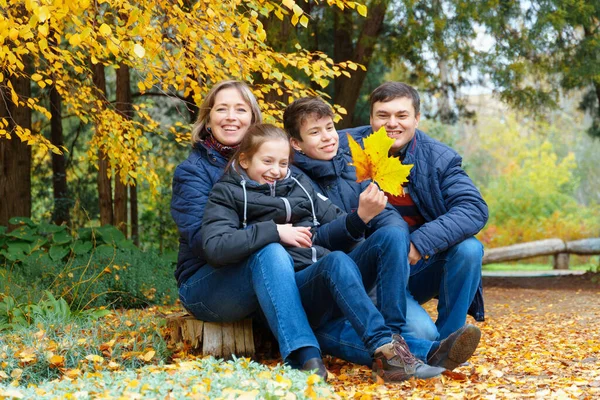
(393, 362)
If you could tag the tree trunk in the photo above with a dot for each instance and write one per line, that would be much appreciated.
(444, 111)
(103, 180)
(123, 105)
(348, 89)
(133, 205)
(15, 155)
(62, 203)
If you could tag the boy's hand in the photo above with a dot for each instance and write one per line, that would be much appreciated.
(297, 236)
(371, 202)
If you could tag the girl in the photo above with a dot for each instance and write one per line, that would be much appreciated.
(258, 202)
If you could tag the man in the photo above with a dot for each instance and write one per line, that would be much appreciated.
(442, 206)
(325, 157)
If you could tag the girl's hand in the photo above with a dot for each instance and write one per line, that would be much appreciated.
(371, 202)
(297, 236)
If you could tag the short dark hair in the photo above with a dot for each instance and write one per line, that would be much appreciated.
(389, 91)
(296, 113)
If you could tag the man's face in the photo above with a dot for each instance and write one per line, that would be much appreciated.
(320, 140)
(399, 119)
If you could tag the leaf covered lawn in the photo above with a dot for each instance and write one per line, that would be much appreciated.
(535, 344)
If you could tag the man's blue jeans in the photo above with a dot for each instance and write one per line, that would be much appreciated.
(383, 263)
(267, 282)
(452, 275)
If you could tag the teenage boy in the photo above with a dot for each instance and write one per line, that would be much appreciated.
(324, 157)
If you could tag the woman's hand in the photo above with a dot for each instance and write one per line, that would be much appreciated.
(371, 202)
(297, 236)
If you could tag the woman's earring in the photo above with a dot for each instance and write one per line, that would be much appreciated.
(208, 129)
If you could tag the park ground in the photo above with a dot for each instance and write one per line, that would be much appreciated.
(540, 340)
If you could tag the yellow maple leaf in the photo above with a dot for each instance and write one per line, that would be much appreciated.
(373, 162)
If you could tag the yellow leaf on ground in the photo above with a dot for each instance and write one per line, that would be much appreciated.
(149, 355)
(373, 162)
(56, 361)
(94, 358)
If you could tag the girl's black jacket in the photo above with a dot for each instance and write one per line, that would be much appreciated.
(241, 216)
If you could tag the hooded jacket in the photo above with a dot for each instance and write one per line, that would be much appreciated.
(241, 217)
(446, 197)
(336, 179)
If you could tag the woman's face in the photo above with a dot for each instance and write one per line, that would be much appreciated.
(229, 117)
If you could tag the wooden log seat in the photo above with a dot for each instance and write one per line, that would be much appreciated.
(213, 338)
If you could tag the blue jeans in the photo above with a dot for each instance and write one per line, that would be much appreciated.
(267, 282)
(332, 289)
(452, 275)
(383, 263)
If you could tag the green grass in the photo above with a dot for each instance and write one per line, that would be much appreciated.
(576, 263)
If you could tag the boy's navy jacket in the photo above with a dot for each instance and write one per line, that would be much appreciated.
(192, 182)
(336, 179)
(241, 216)
(446, 197)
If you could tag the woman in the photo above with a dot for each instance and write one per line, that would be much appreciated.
(265, 281)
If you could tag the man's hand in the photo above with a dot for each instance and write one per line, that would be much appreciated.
(371, 202)
(413, 255)
(297, 236)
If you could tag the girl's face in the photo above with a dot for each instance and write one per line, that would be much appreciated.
(270, 163)
(229, 117)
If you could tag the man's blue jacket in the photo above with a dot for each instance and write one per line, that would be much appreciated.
(446, 197)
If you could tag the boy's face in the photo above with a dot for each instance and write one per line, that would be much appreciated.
(399, 119)
(320, 140)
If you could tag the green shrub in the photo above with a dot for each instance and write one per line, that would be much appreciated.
(14, 315)
(91, 267)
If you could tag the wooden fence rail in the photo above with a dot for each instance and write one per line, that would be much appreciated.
(556, 247)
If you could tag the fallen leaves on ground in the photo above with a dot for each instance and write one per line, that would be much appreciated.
(373, 162)
(538, 344)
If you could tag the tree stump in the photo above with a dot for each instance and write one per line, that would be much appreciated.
(217, 339)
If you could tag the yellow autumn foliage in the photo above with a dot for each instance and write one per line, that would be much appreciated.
(174, 49)
(373, 162)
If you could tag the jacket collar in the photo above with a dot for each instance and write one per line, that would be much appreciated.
(213, 156)
(412, 148)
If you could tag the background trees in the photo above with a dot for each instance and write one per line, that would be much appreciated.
(97, 97)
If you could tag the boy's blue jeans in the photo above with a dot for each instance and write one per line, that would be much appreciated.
(453, 275)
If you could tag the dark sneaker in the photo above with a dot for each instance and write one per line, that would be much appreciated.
(456, 348)
(393, 362)
(316, 366)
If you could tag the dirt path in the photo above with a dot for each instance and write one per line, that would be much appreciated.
(540, 340)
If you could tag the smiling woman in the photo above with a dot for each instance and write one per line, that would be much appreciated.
(261, 282)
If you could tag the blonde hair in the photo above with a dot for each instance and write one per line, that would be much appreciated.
(198, 131)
